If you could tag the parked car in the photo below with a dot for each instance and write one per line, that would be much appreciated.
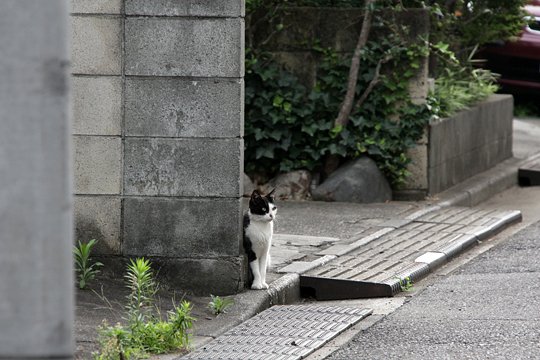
(518, 62)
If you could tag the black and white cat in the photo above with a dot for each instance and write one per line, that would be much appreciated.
(258, 231)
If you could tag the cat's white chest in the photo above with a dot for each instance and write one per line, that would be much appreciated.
(260, 233)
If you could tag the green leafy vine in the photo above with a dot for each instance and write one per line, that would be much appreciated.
(289, 127)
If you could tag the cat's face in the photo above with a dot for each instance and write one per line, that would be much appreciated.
(262, 207)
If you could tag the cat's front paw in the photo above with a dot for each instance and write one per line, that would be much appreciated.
(265, 285)
(258, 286)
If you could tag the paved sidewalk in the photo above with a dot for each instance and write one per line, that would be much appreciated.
(370, 261)
(306, 232)
(312, 227)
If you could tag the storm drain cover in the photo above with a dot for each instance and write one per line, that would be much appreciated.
(384, 265)
(284, 332)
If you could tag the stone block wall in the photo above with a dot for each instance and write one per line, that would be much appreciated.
(158, 106)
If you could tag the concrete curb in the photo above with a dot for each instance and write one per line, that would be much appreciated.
(432, 260)
(483, 186)
(340, 250)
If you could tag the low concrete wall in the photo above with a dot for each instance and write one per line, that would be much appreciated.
(461, 146)
(470, 142)
(158, 103)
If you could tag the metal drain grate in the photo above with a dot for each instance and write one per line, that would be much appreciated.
(379, 267)
(282, 332)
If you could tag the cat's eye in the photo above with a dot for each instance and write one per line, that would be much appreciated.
(274, 208)
(263, 209)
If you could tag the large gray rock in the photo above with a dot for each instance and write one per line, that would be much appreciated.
(358, 181)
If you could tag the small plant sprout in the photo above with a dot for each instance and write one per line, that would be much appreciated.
(180, 321)
(86, 269)
(406, 284)
(219, 305)
(143, 288)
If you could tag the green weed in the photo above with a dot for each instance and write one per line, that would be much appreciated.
(146, 332)
(219, 305)
(85, 268)
(290, 126)
(406, 284)
(143, 288)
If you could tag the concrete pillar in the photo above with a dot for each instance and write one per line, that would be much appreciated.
(36, 277)
(158, 102)
(183, 147)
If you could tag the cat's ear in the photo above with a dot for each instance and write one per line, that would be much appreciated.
(255, 194)
(270, 195)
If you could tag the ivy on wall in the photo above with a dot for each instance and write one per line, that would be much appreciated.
(289, 127)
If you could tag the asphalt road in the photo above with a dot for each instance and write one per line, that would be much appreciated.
(487, 309)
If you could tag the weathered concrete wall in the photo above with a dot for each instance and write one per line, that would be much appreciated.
(461, 146)
(36, 280)
(470, 142)
(158, 135)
